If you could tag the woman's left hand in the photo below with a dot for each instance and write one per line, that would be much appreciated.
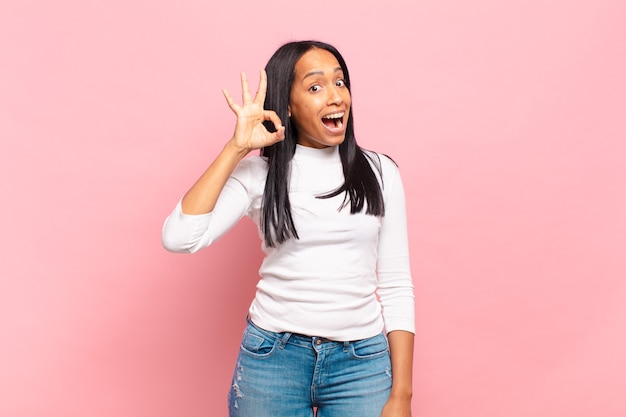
(397, 407)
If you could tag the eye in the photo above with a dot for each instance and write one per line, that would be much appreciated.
(315, 88)
(340, 83)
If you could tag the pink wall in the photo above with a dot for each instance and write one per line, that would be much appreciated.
(507, 120)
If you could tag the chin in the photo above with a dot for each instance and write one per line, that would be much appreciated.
(336, 140)
(326, 143)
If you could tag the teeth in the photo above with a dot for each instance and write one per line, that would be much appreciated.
(334, 116)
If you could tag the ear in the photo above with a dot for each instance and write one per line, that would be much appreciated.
(289, 110)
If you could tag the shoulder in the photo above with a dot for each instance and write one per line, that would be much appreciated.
(254, 162)
(384, 167)
(251, 165)
(251, 173)
(389, 178)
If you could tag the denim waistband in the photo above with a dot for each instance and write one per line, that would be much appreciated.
(296, 338)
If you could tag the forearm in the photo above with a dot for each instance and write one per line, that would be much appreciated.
(203, 195)
(401, 351)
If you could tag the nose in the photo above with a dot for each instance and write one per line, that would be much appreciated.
(334, 96)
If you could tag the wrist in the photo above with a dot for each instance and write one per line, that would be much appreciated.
(401, 394)
(236, 150)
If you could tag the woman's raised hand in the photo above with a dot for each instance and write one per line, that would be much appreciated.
(250, 133)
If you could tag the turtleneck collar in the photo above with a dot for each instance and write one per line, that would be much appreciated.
(306, 154)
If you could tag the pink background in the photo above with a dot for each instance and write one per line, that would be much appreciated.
(506, 118)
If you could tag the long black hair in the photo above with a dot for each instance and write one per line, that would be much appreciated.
(360, 186)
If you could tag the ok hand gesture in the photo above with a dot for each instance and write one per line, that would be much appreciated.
(250, 133)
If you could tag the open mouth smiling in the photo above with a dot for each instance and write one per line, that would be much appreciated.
(334, 121)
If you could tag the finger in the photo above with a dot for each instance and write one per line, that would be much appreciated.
(280, 133)
(260, 94)
(276, 136)
(273, 117)
(245, 89)
(231, 103)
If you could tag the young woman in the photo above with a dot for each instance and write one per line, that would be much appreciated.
(331, 325)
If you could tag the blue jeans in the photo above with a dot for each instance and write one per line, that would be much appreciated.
(288, 375)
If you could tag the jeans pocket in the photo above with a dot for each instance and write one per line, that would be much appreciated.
(373, 347)
(257, 344)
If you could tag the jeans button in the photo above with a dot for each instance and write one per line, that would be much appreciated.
(318, 342)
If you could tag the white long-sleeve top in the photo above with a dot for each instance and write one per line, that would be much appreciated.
(326, 282)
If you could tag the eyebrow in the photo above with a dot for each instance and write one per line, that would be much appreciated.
(317, 72)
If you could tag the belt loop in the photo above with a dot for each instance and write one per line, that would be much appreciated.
(284, 340)
(346, 346)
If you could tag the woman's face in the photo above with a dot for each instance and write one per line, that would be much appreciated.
(319, 102)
